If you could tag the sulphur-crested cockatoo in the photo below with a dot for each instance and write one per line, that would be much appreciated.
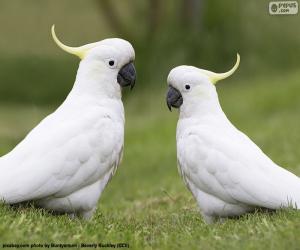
(66, 161)
(225, 171)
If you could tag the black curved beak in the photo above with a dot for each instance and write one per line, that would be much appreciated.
(127, 76)
(174, 98)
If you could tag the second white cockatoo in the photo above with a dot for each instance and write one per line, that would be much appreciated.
(226, 172)
(66, 161)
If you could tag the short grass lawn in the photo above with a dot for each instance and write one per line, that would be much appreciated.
(146, 204)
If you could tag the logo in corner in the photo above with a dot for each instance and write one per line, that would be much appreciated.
(283, 8)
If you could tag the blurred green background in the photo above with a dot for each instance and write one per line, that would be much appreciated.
(207, 34)
(146, 203)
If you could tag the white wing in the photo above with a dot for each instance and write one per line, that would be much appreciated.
(228, 165)
(62, 155)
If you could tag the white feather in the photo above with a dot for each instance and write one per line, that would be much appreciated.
(66, 161)
(225, 171)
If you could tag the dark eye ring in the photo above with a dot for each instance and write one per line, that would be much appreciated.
(187, 86)
(111, 63)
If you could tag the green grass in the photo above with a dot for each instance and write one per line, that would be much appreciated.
(146, 203)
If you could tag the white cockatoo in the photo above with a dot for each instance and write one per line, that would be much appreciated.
(225, 171)
(66, 161)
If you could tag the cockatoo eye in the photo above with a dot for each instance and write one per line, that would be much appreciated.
(187, 87)
(112, 63)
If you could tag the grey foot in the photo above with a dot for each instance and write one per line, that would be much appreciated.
(87, 215)
(208, 219)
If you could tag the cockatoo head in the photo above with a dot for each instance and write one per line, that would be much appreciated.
(112, 58)
(190, 84)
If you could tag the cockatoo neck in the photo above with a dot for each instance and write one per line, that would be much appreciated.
(201, 104)
(96, 81)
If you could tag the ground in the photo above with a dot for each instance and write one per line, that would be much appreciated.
(146, 204)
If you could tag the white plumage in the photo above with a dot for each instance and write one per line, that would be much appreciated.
(226, 172)
(65, 162)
